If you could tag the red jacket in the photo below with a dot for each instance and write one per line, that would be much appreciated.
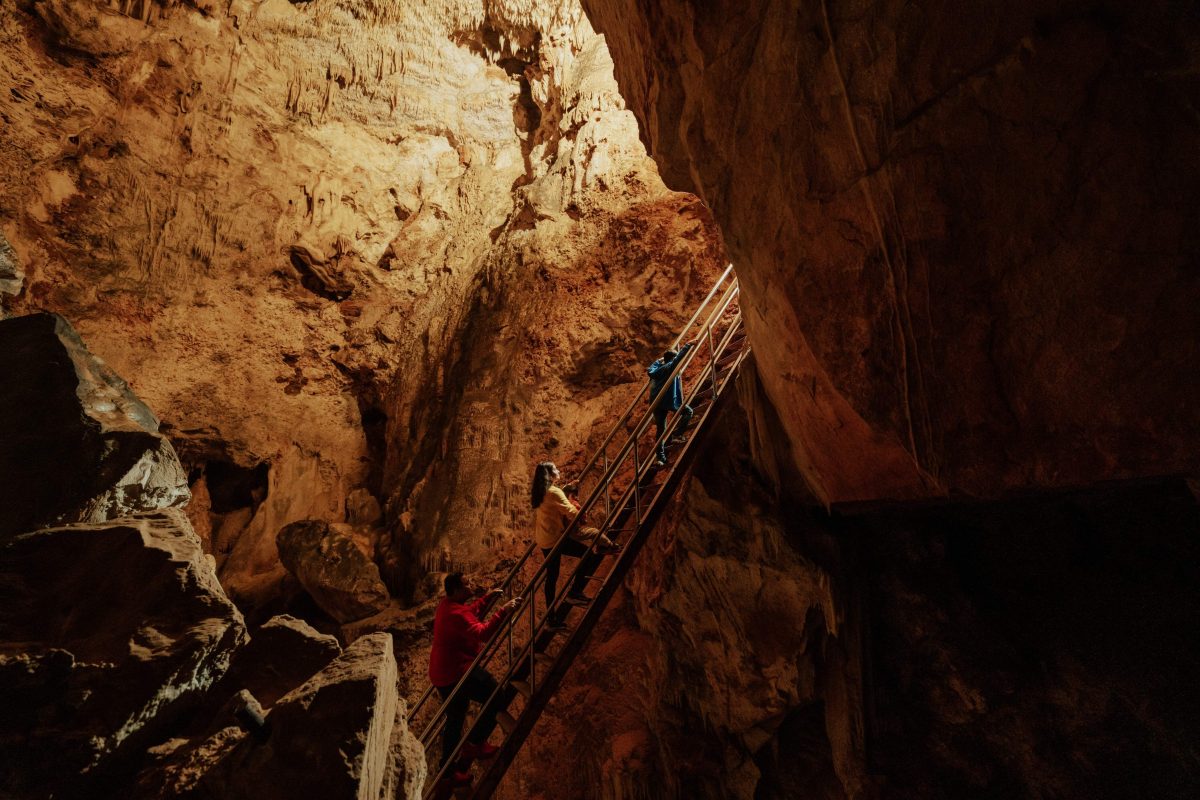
(458, 635)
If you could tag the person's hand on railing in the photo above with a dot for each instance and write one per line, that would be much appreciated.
(571, 488)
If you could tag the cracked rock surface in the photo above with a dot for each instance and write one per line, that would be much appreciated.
(108, 632)
(346, 249)
(76, 445)
(967, 235)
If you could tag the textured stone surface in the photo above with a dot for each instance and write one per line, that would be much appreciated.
(107, 632)
(726, 629)
(330, 566)
(282, 654)
(466, 171)
(331, 737)
(75, 443)
(967, 235)
(11, 274)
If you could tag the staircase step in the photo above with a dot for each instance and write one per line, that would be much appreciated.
(555, 630)
(523, 688)
(506, 722)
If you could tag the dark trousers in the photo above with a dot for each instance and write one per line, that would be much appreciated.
(574, 549)
(478, 686)
(660, 424)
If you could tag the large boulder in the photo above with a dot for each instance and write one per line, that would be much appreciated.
(108, 633)
(334, 737)
(76, 445)
(333, 569)
(282, 654)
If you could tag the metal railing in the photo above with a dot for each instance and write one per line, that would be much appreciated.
(625, 475)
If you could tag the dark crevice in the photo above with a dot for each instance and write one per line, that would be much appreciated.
(232, 486)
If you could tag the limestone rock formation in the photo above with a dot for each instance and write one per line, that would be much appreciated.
(330, 566)
(497, 255)
(11, 274)
(955, 283)
(332, 737)
(282, 653)
(75, 443)
(108, 632)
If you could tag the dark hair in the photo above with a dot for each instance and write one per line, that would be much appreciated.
(543, 479)
(669, 354)
(453, 583)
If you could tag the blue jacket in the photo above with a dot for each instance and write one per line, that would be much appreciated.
(671, 399)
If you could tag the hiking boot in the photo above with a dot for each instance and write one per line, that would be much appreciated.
(478, 752)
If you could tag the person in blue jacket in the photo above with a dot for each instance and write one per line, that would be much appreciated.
(665, 399)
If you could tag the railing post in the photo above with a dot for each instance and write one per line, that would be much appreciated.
(637, 462)
(607, 489)
(712, 350)
(533, 641)
(614, 507)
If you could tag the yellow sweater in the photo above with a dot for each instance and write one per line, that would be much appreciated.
(552, 517)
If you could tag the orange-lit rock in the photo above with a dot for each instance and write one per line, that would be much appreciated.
(964, 233)
(342, 580)
(331, 737)
(76, 445)
(406, 249)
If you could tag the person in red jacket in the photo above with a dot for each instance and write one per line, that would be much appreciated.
(458, 636)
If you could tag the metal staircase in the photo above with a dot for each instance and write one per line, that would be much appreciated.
(624, 483)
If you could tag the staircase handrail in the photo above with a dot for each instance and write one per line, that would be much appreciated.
(523, 657)
(484, 655)
(528, 596)
(679, 367)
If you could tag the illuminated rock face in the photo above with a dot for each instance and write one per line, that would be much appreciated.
(356, 255)
(110, 631)
(76, 445)
(966, 234)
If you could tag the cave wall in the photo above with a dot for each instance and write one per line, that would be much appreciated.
(1038, 647)
(966, 242)
(728, 665)
(967, 234)
(366, 261)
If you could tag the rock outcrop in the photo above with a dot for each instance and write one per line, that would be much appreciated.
(333, 737)
(964, 235)
(282, 654)
(76, 445)
(108, 633)
(407, 249)
(342, 580)
(11, 275)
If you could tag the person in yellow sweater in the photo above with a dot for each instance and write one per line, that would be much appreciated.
(553, 513)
